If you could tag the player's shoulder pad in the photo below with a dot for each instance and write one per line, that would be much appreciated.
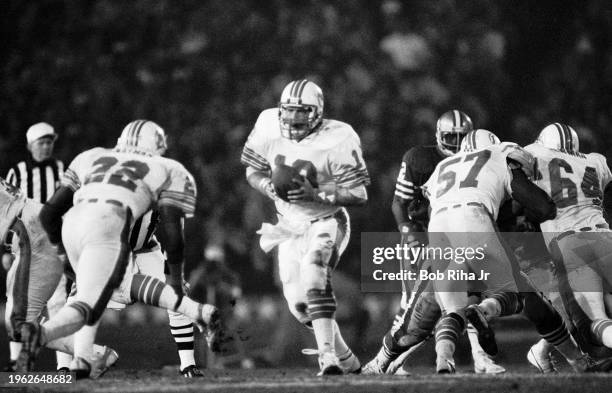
(600, 159)
(335, 133)
(90, 154)
(267, 125)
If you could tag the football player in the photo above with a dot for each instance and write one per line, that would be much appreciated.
(112, 188)
(313, 228)
(419, 311)
(36, 271)
(578, 238)
(466, 192)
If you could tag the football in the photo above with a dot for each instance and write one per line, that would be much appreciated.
(282, 180)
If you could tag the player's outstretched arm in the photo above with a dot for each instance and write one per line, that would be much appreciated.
(538, 206)
(52, 212)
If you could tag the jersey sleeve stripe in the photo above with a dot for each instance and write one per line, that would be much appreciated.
(357, 178)
(250, 158)
(403, 195)
(187, 205)
(405, 183)
(408, 190)
(71, 180)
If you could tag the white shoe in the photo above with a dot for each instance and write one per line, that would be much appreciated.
(101, 362)
(328, 362)
(540, 359)
(483, 364)
(445, 365)
(373, 367)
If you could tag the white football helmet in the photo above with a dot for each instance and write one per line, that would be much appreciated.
(559, 136)
(300, 110)
(478, 139)
(450, 130)
(143, 137)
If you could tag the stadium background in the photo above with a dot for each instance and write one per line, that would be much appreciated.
(205, 69)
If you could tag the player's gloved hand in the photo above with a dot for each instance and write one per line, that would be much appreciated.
(61, 252)
(411, 234)
(306, 192)
(7, 260)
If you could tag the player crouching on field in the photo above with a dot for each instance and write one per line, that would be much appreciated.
(311, 167)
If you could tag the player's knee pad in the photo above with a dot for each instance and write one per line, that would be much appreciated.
(314, 275)
(300, 311)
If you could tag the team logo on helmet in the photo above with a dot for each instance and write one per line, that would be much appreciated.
(143, 137)
(478, 139)
(451, 129)
(559, 136)
(300, 110)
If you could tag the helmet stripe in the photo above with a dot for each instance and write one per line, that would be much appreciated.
(129, 137)
(137, 133)
(133, 133)
(561, 136)
(568, 138)
(292, 92)
(300, 90)
(474, 147)
(457, 118)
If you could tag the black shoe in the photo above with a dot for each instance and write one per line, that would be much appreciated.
(590, 365)
(191, 372)
(11, 367)
(63, 370)
(486, 336)
(32, 342)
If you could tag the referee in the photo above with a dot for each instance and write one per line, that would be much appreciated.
(37, 177)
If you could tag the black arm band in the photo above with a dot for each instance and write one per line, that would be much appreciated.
(52, 212)
(537, 204)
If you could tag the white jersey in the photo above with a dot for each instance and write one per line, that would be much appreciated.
(141, 182)
(331, 155)
(12, 201)
(576, 183)
(481, 176)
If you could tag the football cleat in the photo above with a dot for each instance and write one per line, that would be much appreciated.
(540, 359)
(102, 362)
(31, 338)
(445, 366)
(328, 362)
(373, 367)
(486, 336)
(586, 364)
(191, 372)
(81, 367)
(210, 325)
(483, 364)
(63, 370)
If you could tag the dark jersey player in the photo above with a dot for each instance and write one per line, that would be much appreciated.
(419, 310)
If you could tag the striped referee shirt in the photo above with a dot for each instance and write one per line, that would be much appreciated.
(37, 180)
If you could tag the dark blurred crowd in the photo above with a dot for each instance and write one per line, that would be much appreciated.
(205, 69)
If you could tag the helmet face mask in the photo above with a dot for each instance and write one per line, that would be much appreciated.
(142, 137)
(451, 128)
(300, 110)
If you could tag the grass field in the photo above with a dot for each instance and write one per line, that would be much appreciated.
(303, 380)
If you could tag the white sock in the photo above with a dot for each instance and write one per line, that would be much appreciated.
(15, 348)
(445, 349)
(63, 359)
(472, 334)
(84, 341)
(324, 333)
(490, 307)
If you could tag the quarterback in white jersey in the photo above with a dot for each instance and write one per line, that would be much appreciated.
(578, 238)
(104, 191)
(313, 228)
